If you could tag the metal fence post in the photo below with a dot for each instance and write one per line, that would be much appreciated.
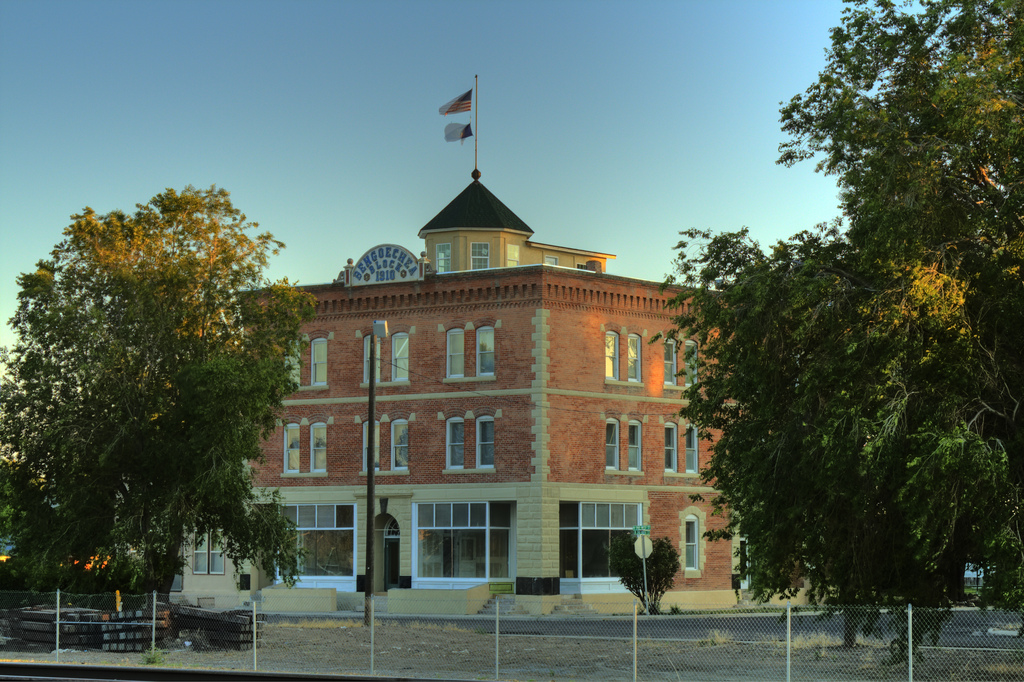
(254, 634)
(497, 610)
(56, 624)
(789, 640)
(635, 609)
(152, 641)
(910, 642)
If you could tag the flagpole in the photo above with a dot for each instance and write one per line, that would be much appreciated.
(476, 124)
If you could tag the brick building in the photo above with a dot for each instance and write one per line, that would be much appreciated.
(523, 418)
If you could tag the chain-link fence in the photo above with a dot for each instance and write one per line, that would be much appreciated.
(512, 638)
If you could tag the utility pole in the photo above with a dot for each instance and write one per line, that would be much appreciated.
(380, 329)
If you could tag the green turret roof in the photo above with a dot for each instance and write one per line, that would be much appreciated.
(476, 207)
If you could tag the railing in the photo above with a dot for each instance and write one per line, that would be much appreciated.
(577, 640)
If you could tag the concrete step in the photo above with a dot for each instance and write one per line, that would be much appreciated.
(503, 604)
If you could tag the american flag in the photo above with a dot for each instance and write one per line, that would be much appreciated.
(458, 105)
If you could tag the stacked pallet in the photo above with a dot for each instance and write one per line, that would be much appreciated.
(221, 629)
(78, 627)
(133, 630)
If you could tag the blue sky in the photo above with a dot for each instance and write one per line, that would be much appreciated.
(605, 125)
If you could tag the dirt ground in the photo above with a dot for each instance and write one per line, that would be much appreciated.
(426, 651)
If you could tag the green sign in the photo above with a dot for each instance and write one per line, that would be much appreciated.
(642, 530)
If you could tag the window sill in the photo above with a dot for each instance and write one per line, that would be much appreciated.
(389, 472)
(464, 380)
(619, 472)
(315, 387)
(481, 470)
(384, 384)
(691, 573)
(682, 474)
(675, 387)
(617, 382)
(304, 474)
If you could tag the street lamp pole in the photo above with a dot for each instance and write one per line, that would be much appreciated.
(380, 329)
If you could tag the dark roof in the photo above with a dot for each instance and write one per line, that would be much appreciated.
(476, 207)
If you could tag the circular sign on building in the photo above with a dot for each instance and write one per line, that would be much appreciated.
(386, 263)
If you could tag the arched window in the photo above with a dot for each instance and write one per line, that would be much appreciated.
(692, 461)
(456, 353)
(611, 444)
(633, 358)
(635, 448)
(691, 543)
(318, 366)
(291, 448)
(455, 441)
(400, 357)
(400, 444)
(671, 368)
(611, 355)
(485, 351)
(318, 447)
(485, 442)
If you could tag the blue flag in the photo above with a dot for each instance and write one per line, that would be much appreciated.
(457, 132)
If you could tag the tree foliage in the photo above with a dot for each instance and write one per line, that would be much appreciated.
(149, 363)
(662, 566)
(867, 383)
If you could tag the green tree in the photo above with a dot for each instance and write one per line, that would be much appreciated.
(867, 384)
(150, 360)
(662, 566)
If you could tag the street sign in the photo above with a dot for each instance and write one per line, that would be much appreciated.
(642, 530)
(643, 548)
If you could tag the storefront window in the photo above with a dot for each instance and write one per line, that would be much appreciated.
(586, 530)
(326, 532)
(464, 540)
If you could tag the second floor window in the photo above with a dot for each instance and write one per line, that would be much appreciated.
(512, 255)
(691, 449)
(634, 446)
(671, 451)
(456, 440)
(400, 444)
(376, 445)
(485, 442)
(207, 556)
(291, 448)
(366, 358)
(485, 351)
(611, 445)
(318, 447)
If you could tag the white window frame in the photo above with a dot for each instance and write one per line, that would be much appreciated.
(315, 448)
(611, 450)
(482, 445)
(692, 450)
(288, 451)
(551, 260)
(691, 362)
(611, 355)
(450, 444)
(671, 448)
(400, 357)
(691, 544)
(635, 445)
(671, 363)
(482, 333)
(376, 445)
(479, 258)
(512, 255)
(443, 262)
(633, 358)
(455, 350)
(366, 358)
(208, 546)
(398, 448)
(318, 369)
